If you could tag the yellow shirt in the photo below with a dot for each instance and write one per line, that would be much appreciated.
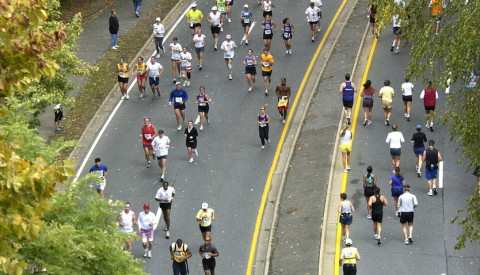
(179, 252)
(349, 255)
(221, 6)
(386, 93)
(194, 16)
(125, 68)
(141, 69)
(206, 217)
(266, 60)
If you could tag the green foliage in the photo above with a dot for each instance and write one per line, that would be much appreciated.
(470, 223)
(80, 236)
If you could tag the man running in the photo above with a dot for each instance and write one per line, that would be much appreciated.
(160, 145)
(407, 204)
(158, 33)
(186, 57)
(165, 196)
(208, 252)
(267, 63)
(102, 172)
(199, 39)
(179, 96)
(228, 47)
(126, 220)
(214, 19)
(376, 204)
(407, 92)
(429, 96)
(418, 140)
(386, 93)
(431, 157)
(312, 14)
(146, 222)
(283, 93)
(194, 19)
(147, 133)
(154, 70)
(175, 50)
(348, 89)
(349, 257)
(205, 216)
(179, 253)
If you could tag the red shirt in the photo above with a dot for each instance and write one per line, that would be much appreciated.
(429, 98)
(147, 134)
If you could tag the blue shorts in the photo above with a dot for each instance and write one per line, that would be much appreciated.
(396, 192)
(418, 151)
(346, 219)
(431, 174)
(154, 81)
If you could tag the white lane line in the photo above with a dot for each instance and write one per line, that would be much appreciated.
(197, 120)
(157, 218)
(90, 151)
(249, 31)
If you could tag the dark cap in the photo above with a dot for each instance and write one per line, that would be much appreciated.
(175, 38)
(160, 131)
(407, 186)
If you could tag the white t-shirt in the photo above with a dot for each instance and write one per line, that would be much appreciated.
(158, 30)
(127, 220)
(185, 59)
(176, 49)
(215, 18)
(230, 47)
(396, 21)
(312, 14)
(347, 137)
(153, 69)
(407, 88)
(144, 220)
(160, 145)
(407, 202)
(267, 6)
(199, 40)
(395, 139)
(163, 194)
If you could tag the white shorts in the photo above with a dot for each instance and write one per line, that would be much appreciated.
(100, 185)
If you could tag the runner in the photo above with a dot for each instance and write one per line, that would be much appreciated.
(203, 102)
(395, 139)
(312, 14)
(155, 70)
(147, 133)
(179, 96)
(229, 10)
(214, 18)
(369, 184)
(386, 93)
(229, 47)
(407, 204)
(288, 29)
(283, 98)
(58, 113)
(122, 70)
(407, 91)
(126, 220)
(397, 32)
(319, 4)
(376, 203)
(194, 19)
(179, 253)
(199, 39)
(186, 58)
(348, 89)
(267, 6)
(431, 157)
(345, 209)
(205, 217)
(267, 63)
(429, 96)
(102, 172)
(208, 252)
(418, 140)
(161, 144)
(372, 10)
(141, 69)
(158, 33)
(436, 7)
(175, 50)
(250, 68)
(191, 134)
(368, 93)
(222, 9)
(346, 147)
(165, 196)
(268, 25)
(146, 223)
(397, 182)
(349, 256)
(246, 18)
(263, 120)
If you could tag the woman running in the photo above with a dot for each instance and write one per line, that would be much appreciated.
(203, 102)
(247, 17)
(346, 147)
(407, 93)
(122, 70)
(267, 6)
(186, 58)
(397, 182)
(268, 25)
(263, 120)
(369, 184)
(191, 134)
(368, 93)
(288, 29)
(250, 68)
(141, 69)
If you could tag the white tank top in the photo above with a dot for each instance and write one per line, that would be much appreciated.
(127, 221)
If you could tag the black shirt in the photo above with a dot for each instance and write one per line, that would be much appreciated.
(113, 25)
(418, 140)
(203, 249)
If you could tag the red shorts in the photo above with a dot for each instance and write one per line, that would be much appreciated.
(141, 76)
(283, 107)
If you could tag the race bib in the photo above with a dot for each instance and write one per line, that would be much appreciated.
(207, 255)
(283, 99)
(194, 20)
(246, 20)
(349, 254)
(266, 64)
(206, 219)
(184, 62)
(228, 55)
(178, 99)
(140, 72)
(148, 136)
(202, 104)
(121, 74)
(250, 63)
(268, 31)
(286, 35)
(178, 255)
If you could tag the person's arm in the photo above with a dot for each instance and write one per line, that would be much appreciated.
(384, 200)
(439, 156)
(339, 207)
(258, 119)
(170, 98)
(271, 61)
(140, 223)
(390, 182)
(200, 252)
(370, 202)
(399, 204)
(415, 202)
(276, 91)
(388, 139)
(424, 157)
(194, 133)
(160, 72)
(189, 253)
(199, 216)
(157, 196)
(412, 140)
(364, 180)
(351, 206)
(403, 183)
(207, 99)
(134, 220)
(402, 139)
(274, 25)
(119, 220)
(171, 252)
(354, 87)
(342, 255)
(340, 90)
(422, 94)
(374, 180)
(213, 215)
(214, 253)
(436, 95)
(209, 19)
(255, 61)
(155, 132)
(268, 119)
(358, 256)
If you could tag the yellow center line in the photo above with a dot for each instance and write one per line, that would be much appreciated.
(354, 126)
(282, 139)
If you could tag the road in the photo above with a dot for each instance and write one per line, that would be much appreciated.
(231, 170)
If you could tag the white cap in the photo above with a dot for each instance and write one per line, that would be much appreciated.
(348, 242)
(178, 83)
(214, 8)
(245, 6)
(204, 205)
(194, 5)
(158, 19)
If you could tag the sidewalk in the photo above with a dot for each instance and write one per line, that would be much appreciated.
(92, 44)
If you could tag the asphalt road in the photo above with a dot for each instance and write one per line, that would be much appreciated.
(231, 170)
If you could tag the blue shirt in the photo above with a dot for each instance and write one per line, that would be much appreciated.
(397, 181)
(100, 170)
(348, 91)
(178, 95)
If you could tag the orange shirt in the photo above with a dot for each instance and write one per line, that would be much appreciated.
(267, 62)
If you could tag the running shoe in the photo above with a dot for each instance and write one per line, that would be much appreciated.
(430, 193)
(136, 13)
(266, 92)
(188, 83)
(263, 147)
(410, 240)
(116, 46)
(348, 121)
(349, 168)
(113, 48)
(184, 83)
(375, 236)
(268, 141)
(127, 97)
(215, 47)
(141, 95)
(250, 89)
(369, 216)
(246, 41)
(122, 97)
(286, 52)
(419, 174)
(165, 229)
(313, 39)
(221, 29)
(365, 123)
(179, 127)
(435, 191)
(345, 171)
(158, 55)
(229, 20)
(405, 115)
(431, 128)
(149, 254)
(398, 50)
(59, 129)
(230, 76)
(369, 122)
(290, 51)
(174, 81)
(191, 160)
(201, 128)
(200, 67)
(145, 254)
(208, 121)
(391, 49)
(397, 214)
(376, 35)
(388, 122)
(162, 179)
(283, 121)
(407, 242)
(149, 164)
(379, 241)
(167, 235)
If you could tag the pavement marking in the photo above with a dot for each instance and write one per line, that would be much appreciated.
(197, 120)
(249, 31)
(261, 209)
(90, 151)
(345, 175)
(157, 218)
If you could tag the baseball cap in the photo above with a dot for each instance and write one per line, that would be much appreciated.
(419, 126)
(146, 206)
(204, 205)
(245, 6)
(406, 186)
(158, 19)
(348, 242)
(160, 131)
(178, 83)
(228, 36)
(194, 5)
(175, 38)
(214, 8)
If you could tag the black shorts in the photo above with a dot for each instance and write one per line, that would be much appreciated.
(192, 144)
(287, 36)
(196, 25)
(208, 264)
(215, 29)
(162, 157)
(312, 22)
(349, 269)
(348, 103)
(377, 216)
(246, 24)
(264, 73)
(406, 217)
(179, 268)
(429, 108)
(165, 206)
(267, 36)
(122, 79)
(367, 102)
(397, 31)
(250, 70)
(204, 229)
(181, 107)
(407, 98)
(231, 3)
(368, 191)
(267, 12)
(372, 20)
(203, 109)
(395, 152)
(154, 81)
(58, 115)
